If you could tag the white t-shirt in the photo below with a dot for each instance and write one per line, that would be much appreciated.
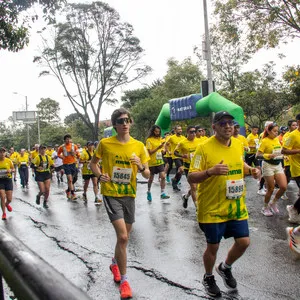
(57, 160)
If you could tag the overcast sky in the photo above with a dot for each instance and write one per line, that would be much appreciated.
(165, 28)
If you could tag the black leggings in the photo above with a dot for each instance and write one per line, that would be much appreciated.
(297, 203)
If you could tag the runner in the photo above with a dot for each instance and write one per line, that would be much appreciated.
(200, 134)
(154, 144)
(6, 185)
(69, 153)
(23, 164)
(33, 154)
(87, 174)
(218, 167)
(237, 135)
(270, 151)
(58, 165)
(186, 150)
(13, 155)
(291, 147)
(43, 164)
(171, 144)
(293, 235)
(122, 157)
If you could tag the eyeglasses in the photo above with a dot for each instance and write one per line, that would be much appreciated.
(192, 131)
(122, 121)
(224, 123)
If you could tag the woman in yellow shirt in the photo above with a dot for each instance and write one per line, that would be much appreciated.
(23, 163)
(272, 170)
(6, 185)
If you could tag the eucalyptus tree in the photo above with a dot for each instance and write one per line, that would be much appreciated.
(92, 54)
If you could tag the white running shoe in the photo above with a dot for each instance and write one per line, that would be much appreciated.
(273, 207)
(294, 217)
(266, 212)
(293, 239)
(262, 192)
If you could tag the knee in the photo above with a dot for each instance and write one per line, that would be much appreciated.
(123, 239)
(243, 243)
(163, 176)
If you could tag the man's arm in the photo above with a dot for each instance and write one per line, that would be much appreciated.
(290, 152)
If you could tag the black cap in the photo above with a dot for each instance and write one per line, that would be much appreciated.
(298, 117)
(89, 143)
(43, 147)
(221, 114)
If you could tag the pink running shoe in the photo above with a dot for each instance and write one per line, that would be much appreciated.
(273, 207)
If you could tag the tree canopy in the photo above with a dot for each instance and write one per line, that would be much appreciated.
(92, 54)
(260, 23)
(14, 27)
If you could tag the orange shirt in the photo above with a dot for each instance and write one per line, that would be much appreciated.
(64, 152)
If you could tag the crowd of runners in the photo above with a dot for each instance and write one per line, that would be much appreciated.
(215, 167)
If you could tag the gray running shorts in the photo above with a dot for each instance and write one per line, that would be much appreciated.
(120, 208)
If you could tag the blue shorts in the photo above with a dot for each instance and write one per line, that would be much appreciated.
(215, 231)
(70, 169)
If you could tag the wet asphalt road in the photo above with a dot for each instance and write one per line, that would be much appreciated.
(165, 248)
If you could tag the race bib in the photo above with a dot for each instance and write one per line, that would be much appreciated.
(23, 163)
(45, 165)
(234, 189)
(277, 152)
(121, 175)
(159, 156)
(3, 174)
(88, 166)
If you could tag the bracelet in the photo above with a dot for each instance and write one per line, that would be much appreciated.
(142, 170)
(207, 174)
(100, 176)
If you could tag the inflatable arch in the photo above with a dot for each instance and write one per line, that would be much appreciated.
(193, 106)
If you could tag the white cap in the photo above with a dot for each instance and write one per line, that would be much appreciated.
(268, 123)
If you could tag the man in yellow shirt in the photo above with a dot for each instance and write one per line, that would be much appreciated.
(237, 135)
(291, 147)
(253, 141)
(13, 155)
(218, 168)
(154, 145)
(122, 157)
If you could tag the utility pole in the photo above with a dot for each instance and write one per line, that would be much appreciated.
(27, 125)
(207, 49)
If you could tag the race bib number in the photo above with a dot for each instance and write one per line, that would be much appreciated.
(3, 174)
(278, 153)
(256, 143)
(88, 166)
(23, 163)
(159, 156)
(234, 189)
(121, 175)
(45, 165)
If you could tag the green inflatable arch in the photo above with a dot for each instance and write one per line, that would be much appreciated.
(212, 103)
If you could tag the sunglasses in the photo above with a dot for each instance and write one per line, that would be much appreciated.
(192, 131)
(224, 123)
(122, 121)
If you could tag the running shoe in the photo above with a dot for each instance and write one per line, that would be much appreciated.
(164, 196)
(273, 207)
(9, 208)
(116, 272)
(266, 212)
(4, 216)
(149, 196)
(210, 286)
(68, 194)
(294, 217)
(45, 204)
(27, 186)
(38, 199)
(84, 198)
(284, 197)
(174, 185)
(15, 179)
(293, 240)
(125, 290)
(98, 200)
(228, 279)
(73, 197)
(261, 192)
(185, 199)
(168, 179)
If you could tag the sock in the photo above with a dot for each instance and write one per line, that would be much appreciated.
(114, 261)
(162, 191)
(296, 231)
(225, 266)
(124, 278)
(208, 275)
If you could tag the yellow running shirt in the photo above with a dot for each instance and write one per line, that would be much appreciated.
(286, 158)
(220, 198)
(270, 146)
(187, 147)
(44, 161)
(6, 165)
(115, 162)
(293, 142)
(173, 142)
(86, 156)
(156, 158)
(253, 141)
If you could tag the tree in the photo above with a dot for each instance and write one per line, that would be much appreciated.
(292, 77)
(14, 29)
(261, 95)
(265, 23)
(48, 110)
(93, 54)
